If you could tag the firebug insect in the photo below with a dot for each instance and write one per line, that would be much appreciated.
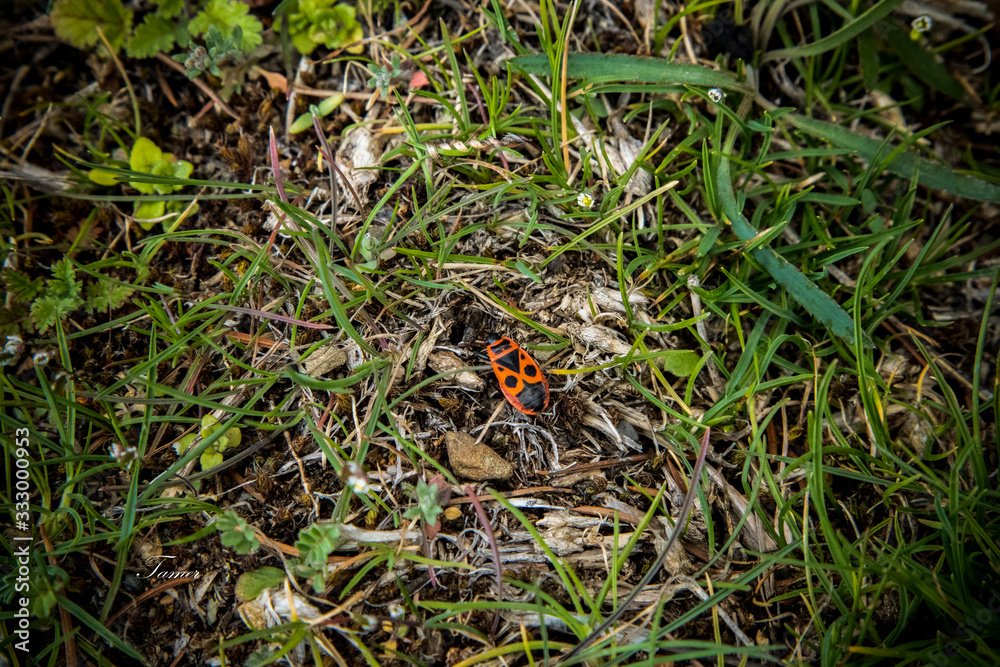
(521, 379)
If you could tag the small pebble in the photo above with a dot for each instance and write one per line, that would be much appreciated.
(476, 462)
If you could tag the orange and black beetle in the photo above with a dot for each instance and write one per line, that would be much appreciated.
(521, 379)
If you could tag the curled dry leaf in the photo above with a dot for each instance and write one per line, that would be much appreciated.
(277, 606)
(597, 418)
(149, 548)
(599, 304)
(203, 584)
(645, 13)
(274, 607)
(626, 513)
(598, 336)
(360, 154)
(427, 346)
(532, 619)
(354, 536)
(324, 360)
(677, 561)
(445, 361)
(275, 81)
(611, 299)
(623, 151)
(563, 540)
(569, 479)
(562, 518)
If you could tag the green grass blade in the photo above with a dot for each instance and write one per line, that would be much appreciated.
(905, 164)
(637, 69)
(812, 298)
(842, 36)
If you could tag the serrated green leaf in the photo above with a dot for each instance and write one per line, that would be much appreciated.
(155, 33)
(104, 295)
(428, 504)
(45, 312)
(317, 542)
(22, 287)
(63, 282)
(236, 533)
(314, 22)
(169, 8)
(77, 21)
(227, 15)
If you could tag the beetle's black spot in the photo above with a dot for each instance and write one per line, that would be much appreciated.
(533, 397)
(511, 381)
(529, 370)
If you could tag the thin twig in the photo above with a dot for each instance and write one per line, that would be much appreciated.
(201, 84)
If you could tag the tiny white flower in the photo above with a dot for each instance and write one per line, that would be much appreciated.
(585, 199)
(366, 623)
(396, 610)
(41, 358)
(922, 23)
(14, 346)
(124, 455)
(355, 478)
(716, 95)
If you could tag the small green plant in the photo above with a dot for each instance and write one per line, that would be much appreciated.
(44, 582)
(212, 456)
(148, 158)
(385, 77)
(315, 544)
(169, 26)
(315, 22)
(236, 532)
(227, 16)
(53, 299)
(321, 110)
(428, 504)
(217, 50)
(369, 246)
